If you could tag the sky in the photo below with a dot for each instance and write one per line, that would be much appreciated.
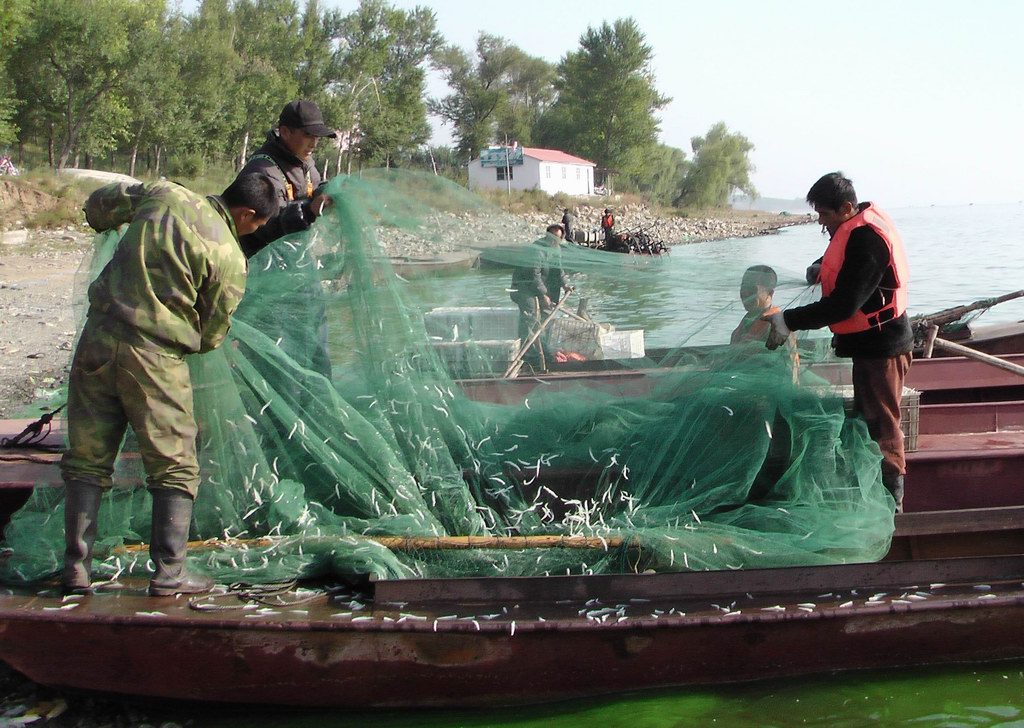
(919, 103)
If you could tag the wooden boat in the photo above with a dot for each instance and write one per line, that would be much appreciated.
(442, 264)
(999, 339)
(950, 590)
(467, 642)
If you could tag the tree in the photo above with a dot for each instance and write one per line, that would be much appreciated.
(73, 62)
(269, 46)
(720, 165)
(479, 90)
(662, 176)
(155, 93)
(12, 18)
(529, 87)
(607, 101)
(381, 78)
(210, 65)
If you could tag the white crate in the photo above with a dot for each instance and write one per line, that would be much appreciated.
(625, 344)
(471, 359)
(472, 323)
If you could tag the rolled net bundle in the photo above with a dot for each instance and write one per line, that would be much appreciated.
(359, 420)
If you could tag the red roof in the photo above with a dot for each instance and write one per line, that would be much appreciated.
(553, 155)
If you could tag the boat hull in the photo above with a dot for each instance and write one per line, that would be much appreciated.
(136, 645)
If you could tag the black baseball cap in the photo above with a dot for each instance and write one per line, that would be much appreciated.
(305, 115)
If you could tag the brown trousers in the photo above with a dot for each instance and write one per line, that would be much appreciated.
(877, 395)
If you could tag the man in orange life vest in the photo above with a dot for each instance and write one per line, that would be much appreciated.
(863, 277)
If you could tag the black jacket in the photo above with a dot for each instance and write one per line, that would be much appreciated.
(866, 269)
(287, 171)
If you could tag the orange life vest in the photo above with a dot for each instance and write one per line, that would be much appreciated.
(894, 300)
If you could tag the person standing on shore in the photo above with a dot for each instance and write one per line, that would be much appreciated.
(864, 277)
(170, 289)
(568, 224)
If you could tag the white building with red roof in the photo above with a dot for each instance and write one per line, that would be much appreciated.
(529, 168)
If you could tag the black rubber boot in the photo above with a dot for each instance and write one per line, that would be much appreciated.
(81, 508)
(172, 517)
(894, 484)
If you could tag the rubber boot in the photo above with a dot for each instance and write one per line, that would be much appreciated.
(81, 508)
(894, 484)
(172, 517)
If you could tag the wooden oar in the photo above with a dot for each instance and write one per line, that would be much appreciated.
(417, 543)
(978, 356)
(513, 368)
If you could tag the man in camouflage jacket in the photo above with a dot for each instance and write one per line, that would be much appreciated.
(175, 278)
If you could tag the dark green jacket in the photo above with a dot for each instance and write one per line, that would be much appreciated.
(539, 272)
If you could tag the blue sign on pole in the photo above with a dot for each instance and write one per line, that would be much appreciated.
(501, 157)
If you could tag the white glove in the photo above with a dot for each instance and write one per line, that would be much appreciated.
(779, 333)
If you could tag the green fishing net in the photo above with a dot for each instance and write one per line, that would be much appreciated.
(362, 395)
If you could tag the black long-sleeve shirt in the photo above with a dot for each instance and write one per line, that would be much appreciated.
(865, 274)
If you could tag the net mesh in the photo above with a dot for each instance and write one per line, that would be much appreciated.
(331, 418)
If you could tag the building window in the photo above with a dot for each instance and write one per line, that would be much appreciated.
(577, 173)
(501, 173)
(547, 171)
(565, 173)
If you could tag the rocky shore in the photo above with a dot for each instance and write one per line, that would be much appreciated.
(678, 230)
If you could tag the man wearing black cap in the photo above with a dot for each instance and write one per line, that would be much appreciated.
(298, 319)
(287, 158)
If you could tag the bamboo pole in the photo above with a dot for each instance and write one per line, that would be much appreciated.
(979, 356)
(517, 361)
(416, 543)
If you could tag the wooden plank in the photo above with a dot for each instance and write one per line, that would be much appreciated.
(718, 584)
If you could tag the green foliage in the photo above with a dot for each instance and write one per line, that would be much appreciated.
(498, 94)
(12, 18)
(660, 180)
(607, 100)
(72, 62)
(720, 165)
(188, 165)
(382, 53)
(183, 92)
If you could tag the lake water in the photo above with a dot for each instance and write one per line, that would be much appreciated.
(975, 696)
(957, 255)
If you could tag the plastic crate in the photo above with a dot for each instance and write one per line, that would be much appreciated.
(624, 344)
(581, 337)
(476, 359)
(910, 412)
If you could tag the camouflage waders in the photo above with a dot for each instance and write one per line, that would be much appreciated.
(113, 385)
